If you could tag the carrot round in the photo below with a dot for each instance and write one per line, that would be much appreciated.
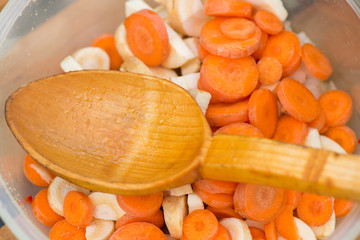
(342, 207)
(157, 219)
(268, 22)
(217, 186)
(316, 62)
(35, 173)
(285, 224)
(200, 225)
(147, 37)
(242, 129)
(270, 70)
(223, 212)
(263, 40)
(238, 28)
(257, 234)
(78, 209)
(290, 130)
(293, 198)
(202, 53)
(298, 101)
(228, 8)
(218, 200)
(107, 43)
(337, 106)
(216, 43)
(293, 65)
(315, 210)
(42, 210)
(259, 203)
(141, 206)
(138, 230)
(344, 136)
(63, 230)
(319, 121)
(229, 80)
(223, 114)
(223, 234)
(270, 231)
(263, 111)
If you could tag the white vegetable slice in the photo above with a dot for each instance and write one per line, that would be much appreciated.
(313, 139)
(181, 190)
(188, 81)
(57, 191)
(237, 228)
(194, 202)
(69, 64)
(315, 86)
(192, 66)
(99, 230)
(162, 72)
(135, 65)
(300, 74)
(175, 210)
(132, 6)
(43, 172)
(193, 44)
(256, 224)
(274, 6)
(304, 230)
(202, 98)
(331, 145)
(92, 58)
(121, 43)
(324, 231)
(303, 37)
(105, 206)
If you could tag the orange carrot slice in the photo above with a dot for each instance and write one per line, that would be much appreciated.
(259, 203)
(141, 206)
(268, 22)
(270, 231)
(223, 234)
(147, 37)
(263, 40)
(344, 136)
(64, 230)
(223, 212)
(200, 225)
(337, 106)
(270, 70)
(138, 230)
(293, 65)
(157, 219)
(316, 62)
(298, 100)
(78, 209)
(263, 111)
(218, 200)
(202, 53)
(293, 198)
(285, 224)
(229, 80)
(35, 173)
(242, 129)
(228, 8)
(257, 234)
(290, 130)
(315, 210)
(107, 43)
(223, 114)
(238, 28)
(217, 186)
(319, 122)
(342, 207)
(216, 43)
(42, 210)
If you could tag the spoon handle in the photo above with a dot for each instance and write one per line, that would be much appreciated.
(268, 162)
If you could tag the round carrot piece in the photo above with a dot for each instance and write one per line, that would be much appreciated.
(35, 173)
(298, 100)
(293, 65)
(241, 129)
(218, 200)
(78, 209)
(257, 234)
(147, 37)
(223, 114)
(270, 70)
(157, 219)
(263, 111)
(138, 230)
(315, 210)
(229, 80)
(270, 231)
(213, 100)
(318, 122)
(263, 40)
(290, 130)
(200, 225)
(268, 22)
(223, 234)
(344, 136)
(141, 206)
(223, 212)
(259, 203)
(217, 186)
(228, 8)
(316, 62)
(216, 43)
(293, 198)
(202, 53)
(63, 230)
(285, 224)
(337, 106)
(42, 210)
(238, 28)
(107, 43)
(342, 207)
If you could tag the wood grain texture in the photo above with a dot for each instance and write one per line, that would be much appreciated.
(2, 4)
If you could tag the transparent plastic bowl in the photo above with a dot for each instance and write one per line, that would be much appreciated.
(36, 35)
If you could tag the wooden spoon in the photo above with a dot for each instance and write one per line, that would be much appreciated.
(127, 133)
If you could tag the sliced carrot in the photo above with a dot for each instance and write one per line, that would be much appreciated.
(293, 198)
(270, 70)
(242, 129)
(78, 209)
(228, 8)
(263, 40)
(138, 230)
(290, 130)
(223, 234)
(63, 230)
(344, 136)
(293, 65)
(263, 111)
(223, 212)
(229, 80)
(216, 43)
(298, 100)
(337, 106)
(200, 225)
(218, 200)
(259, 203)
(238, 28)
(342, 207)
(217, 186)
(324, 129)
(270, 231)
(257, 234)
(223, 114)
(318, 122)
(141, 206)
(285, 224)
(213, 100)
(42, 210)
(147, 37)
(157, 219)
(35, 173)
(315, 210)
(316, 62)
(107, 43)
(268, 22)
